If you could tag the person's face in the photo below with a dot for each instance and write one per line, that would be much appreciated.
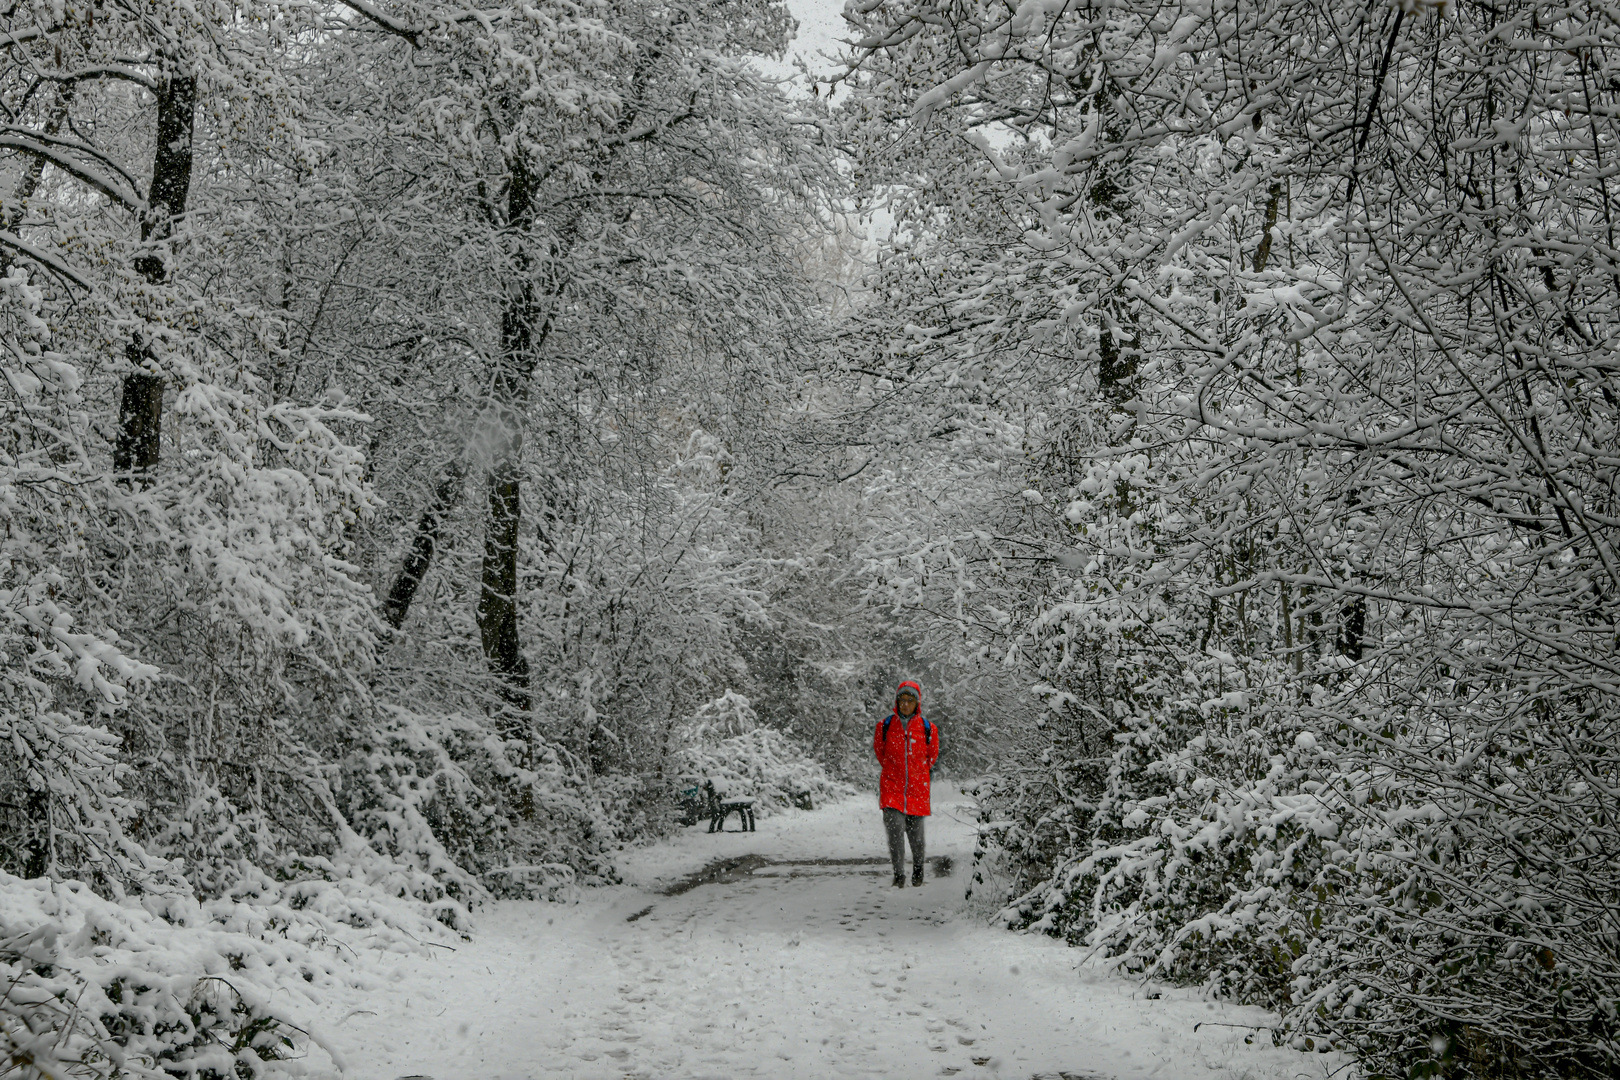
(907, 705)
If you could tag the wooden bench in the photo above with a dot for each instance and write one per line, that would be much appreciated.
(720, 809)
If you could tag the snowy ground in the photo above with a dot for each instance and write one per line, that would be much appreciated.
(794, 969)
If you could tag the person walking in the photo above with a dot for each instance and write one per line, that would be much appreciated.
(906, 745)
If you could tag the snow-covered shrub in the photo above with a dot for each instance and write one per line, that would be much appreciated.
(1358, 878)
(61, 680)
(206, 773)
(442, 796)
(1404, 865)
(1308, 531)
(159, 988)
(726, 745)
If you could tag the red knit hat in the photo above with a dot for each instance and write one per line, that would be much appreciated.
(915, 689)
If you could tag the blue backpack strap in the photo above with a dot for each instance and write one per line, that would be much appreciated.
(928, 729)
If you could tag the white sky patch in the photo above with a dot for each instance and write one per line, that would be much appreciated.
(821, 26)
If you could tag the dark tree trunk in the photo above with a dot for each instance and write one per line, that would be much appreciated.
(1353, 613)
(28, 183)
(1116, 367)
(1262, 254)
(497, 598)
(140, 417)
(423, 546)
(497, 602)
(1352, 628)
(140, 410)
(38, 843)
(171, 167)
(1116, 353)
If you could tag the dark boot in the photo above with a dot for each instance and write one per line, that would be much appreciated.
(894, 824)
(916, 878)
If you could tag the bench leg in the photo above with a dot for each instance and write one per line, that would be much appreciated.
(745, 819)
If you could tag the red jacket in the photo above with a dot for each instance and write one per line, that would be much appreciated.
(906, 754)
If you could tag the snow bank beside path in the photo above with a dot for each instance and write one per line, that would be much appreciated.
(807, 966)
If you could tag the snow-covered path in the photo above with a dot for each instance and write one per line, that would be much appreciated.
(804, 966)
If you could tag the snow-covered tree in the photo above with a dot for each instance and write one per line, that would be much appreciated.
(271, 262)
(1312, 304)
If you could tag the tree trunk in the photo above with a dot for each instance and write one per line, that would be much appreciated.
(1116, 367)
(37, 844)
(1352, 627)
(29, 182)
(497, 602)
(497, 598)
(140, 411)
(1262, 254)
(423, 546)
(1353, 612)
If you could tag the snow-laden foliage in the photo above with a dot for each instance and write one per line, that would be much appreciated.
(434, 435)
(1276, 341)
(167, 986)
(725, 745)
(57, 678)
(388, 403)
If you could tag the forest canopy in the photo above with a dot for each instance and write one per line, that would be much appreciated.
(437, 435)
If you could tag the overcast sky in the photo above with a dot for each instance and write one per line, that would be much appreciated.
(821, 24)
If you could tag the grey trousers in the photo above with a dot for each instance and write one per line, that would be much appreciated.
(900, 827)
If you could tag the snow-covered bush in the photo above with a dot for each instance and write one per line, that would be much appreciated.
(162, 987)
(235, 551)
(460, 809)
(726, 745)
(1355, 876)
(1305, 527)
